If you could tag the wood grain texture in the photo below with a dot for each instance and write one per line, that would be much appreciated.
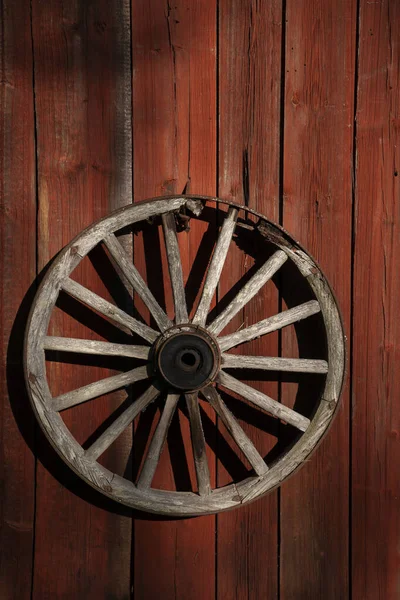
(249, 141)
(317, 210)
(157, 442)
(376, 343)
(248, 291)
(108, 309)
(17, 272)
(82, 74)
(174, 108)
(241, 439)
(81, 346)
(83, 87)
(269, 363)
(98, 388)
(270, 324)
(263, 401)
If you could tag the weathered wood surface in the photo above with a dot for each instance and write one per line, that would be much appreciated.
(269, 363)
(216, 265)
(98, 388)
(175, 268)
(263, 401)
(175, 127)
(157, 442)
(241, 439)
(287, 317)
(121, 423)
(82, 346)
(198, 445)
(108, 309)
(248, 291)
(320, 42)
(83, 107)
(17, 272)
(124, 262)
(84, 170)
(250, 72)
(376, 344)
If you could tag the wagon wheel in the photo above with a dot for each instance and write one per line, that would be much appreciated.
(184, 359)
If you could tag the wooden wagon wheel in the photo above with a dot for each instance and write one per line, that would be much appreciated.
(184, 359)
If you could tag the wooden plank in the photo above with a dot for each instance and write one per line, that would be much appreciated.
(317, 192)
(376, 342)
(82, 70)
(17, 273)
(249, 108)
(174, 108)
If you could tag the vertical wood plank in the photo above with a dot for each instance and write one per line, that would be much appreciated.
(317, 209)
(17, 272)
(249, 116)
(376, 341)
(82, 67)
(174, 111)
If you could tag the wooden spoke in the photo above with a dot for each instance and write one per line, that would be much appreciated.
(287, 317)
(123, 261)
(98, 388)
(198, 444)
(107, 309)
(157, 443)
(241, 439)
(271, 363)
(263, 401)
(121, 423)
(248, 291)
(80, 346)
(216, 265)
(175, 267)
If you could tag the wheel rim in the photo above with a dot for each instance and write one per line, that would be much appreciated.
(206, 357)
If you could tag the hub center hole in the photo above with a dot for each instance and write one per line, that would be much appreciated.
(188, 359)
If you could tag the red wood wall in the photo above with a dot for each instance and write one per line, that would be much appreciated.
(290, 106)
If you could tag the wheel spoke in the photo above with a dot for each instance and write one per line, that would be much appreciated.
(98, 388)
(241, 439)
(287, 317)
(157, 443)
(122, 260)
(263, 401)
(198, 444)
(248, 291)
(121, 423)
(175, 267)
(107, 309)
(216, 265)
(271, 363)
(80, 346)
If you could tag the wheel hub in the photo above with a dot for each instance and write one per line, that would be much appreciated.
(187, 357)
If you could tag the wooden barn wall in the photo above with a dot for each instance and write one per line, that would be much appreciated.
(289, 106)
